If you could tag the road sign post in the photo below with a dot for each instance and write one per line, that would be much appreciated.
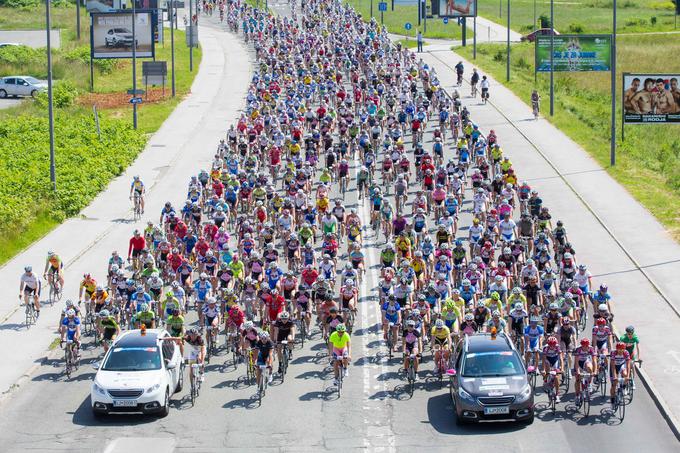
(382, 7)
(408, 26)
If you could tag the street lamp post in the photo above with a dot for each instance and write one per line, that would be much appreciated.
(191, 37)
(612, 151)
(78, 20)
(507, 63)
(552, 57)
(171, 14)
(134, 62)
(50, 109)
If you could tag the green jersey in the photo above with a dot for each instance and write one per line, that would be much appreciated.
(630, 342)
(175, 323)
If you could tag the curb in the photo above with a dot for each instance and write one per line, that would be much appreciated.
(660, 404)
(7, 394)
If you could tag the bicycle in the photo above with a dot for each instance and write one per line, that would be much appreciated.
(195, 382)
(70, 358)
(250, 369)
(390, 340)
(601, 378)
(137, 209)
(341, 374)
(535, 108)
(348, 315)
(582, 399)
(441, 365)
(620, 398)
(262, 384)
(233, 342)
(411, 374)
(31, 314)
(630, 382)
(549, 388)
(55, 291)
(211, 348)
(303, 328)
(285, 358)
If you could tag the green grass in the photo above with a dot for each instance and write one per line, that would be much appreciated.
(411, 43)
(648, 161)
(66, 67)
(13, 243)
(583, 16)
(395, 20)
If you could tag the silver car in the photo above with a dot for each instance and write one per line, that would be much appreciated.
(119, 37)
(21, 86)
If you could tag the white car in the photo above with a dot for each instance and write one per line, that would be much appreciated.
(21, 86)
(139, 373)
(119, 37)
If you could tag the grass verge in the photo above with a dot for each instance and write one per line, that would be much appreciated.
(648, 161)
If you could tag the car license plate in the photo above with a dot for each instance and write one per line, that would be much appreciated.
(496, 410)
(125, 403)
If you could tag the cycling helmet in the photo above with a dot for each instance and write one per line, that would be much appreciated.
(495, 295)
(203, 275)
(70, 312)
(284, 315)
(469, 317)
(193, 331)
(516, 290)
(552, 341)
(144, 307)
(99, 288)
(410, 323)
(566, 321)
(340, 327)
(585, 342)
(620, 346)
(630, 329)
(553, 306)
(104, 313)
(28, 269)
(602, 307)
(496, 314)
(69, 303)
(263, 334)
(519, 306)
(466, 282)
(439, 324)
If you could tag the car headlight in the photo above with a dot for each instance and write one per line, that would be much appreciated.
(524, 394)
(153, 388)
(465, 395)
(98, 389)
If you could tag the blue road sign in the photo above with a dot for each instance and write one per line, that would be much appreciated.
(408, 26)
(382, 6)
(135, 100)
(446, 20)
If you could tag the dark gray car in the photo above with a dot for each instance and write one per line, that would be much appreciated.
(490, 381)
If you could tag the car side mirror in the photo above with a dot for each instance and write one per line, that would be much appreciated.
(170, 366)
(96, 365)
(451, 372)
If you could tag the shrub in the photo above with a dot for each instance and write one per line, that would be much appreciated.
(653, 20)
(576, 28)
(22, 56)
(544, 21)
(63, 93)
(82, 55)
(522, 63)
(499, 55)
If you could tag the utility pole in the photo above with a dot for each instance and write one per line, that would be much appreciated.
(507, 63)
(134, 62)
(50, 108)
(191, 37)
(552, 57)
(612, 151)
(171, 14)
(78, 20)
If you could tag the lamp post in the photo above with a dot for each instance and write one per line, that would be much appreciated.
(78, 20)
(50, 109)
(552, 51)
(134, 62)
(507, 63)
(171, 14)
(612, 150)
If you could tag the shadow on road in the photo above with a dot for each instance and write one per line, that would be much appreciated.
(83, 416)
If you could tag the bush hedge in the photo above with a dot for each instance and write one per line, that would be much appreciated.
(85, 164)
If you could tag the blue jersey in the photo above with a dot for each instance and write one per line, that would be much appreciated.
(391, 312)
(533, 334)
(71, 326)
(202, 287)
(141, 298)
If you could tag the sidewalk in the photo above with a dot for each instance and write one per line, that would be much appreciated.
(184, 143)
(489, 31)
(602, 219)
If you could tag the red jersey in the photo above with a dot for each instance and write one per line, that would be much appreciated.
(136, 243)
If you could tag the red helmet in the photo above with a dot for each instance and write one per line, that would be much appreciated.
(585, 342)
(601, 322)
(620, 346)
(552, 341)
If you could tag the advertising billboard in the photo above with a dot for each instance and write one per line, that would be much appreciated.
(111, 34)
(454, 8)
(105, 6)
(574, 53)
(651, 98)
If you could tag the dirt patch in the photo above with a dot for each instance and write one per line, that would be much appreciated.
(121, 99)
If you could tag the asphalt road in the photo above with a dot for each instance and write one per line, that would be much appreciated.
(10, 102)
(304, 413)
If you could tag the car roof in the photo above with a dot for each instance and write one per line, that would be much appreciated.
(134, 338)
(484, 342)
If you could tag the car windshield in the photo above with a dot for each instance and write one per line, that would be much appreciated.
(488, 364)
(122, 30)
(32, 80)
(133, 359)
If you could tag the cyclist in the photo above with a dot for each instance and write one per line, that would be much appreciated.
(630, 339)
(484, 85)
(54, 266)
(535, 103)
(145, 316)
(175, 323)
(109, 328)
(70, 328)
(265, 354)
(411, 341)
(342, 350)
(585, 360)
(441, 344)
(553, 359)
(138, 189)
(29, 288)
(283, 330)
(620, 364)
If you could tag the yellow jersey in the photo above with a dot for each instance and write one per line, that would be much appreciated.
(440, 334)
(339, 341)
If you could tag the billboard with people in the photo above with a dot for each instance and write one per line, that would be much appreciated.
(574, 53)
(454, 8)
(651, 98)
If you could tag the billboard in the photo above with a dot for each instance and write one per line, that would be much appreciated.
(105, 6)
(454, 8)
(651, 98)
(574, 53)
(111, 34)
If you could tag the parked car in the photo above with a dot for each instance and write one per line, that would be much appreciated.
(139, 373)
(489, 381)
(8, 44)
(119, 37)
(21, 86)
(531, 37)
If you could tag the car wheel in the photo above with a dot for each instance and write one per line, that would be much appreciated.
(34, 93)
(460, 421)
(3, 94)
(165, 410)
(98, 415)
(529, 420)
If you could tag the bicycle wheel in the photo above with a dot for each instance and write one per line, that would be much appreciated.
(603, 382)
(553, 400)
(193, 390)
(629, 391)
(67, 361)
(411, 379)
(29, 315)
(586, 404)
(622, 404)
